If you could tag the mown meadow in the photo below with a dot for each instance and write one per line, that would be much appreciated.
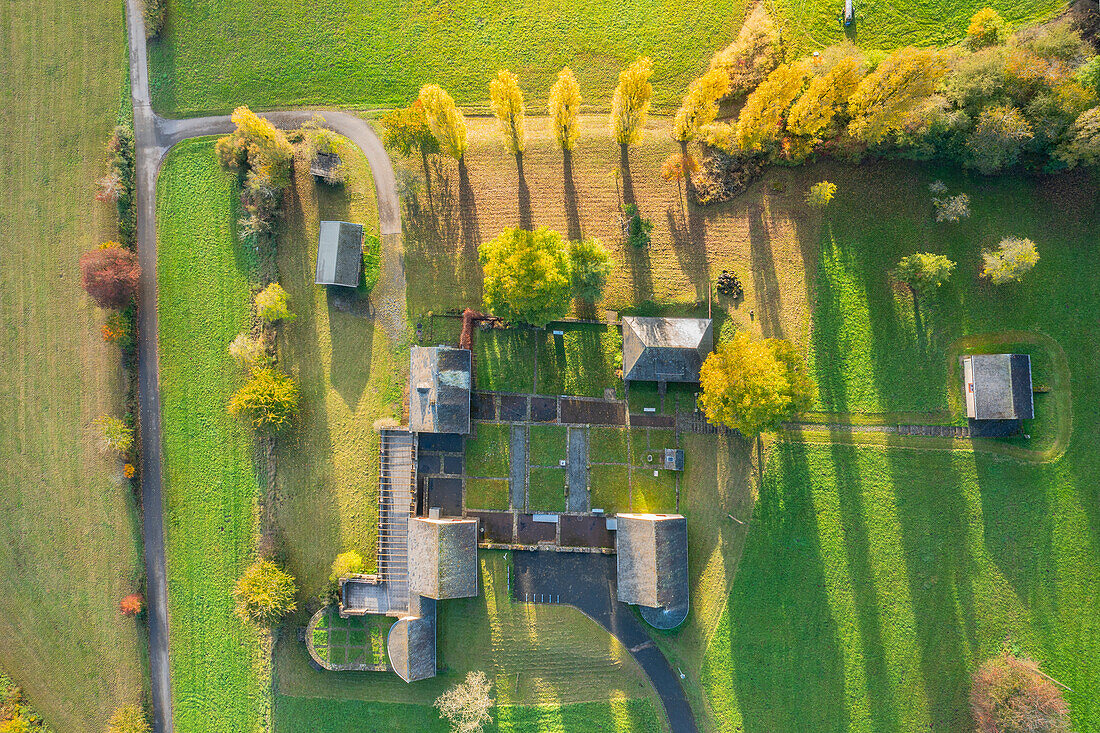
(70, 540)
(211, 484)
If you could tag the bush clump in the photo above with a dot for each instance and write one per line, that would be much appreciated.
(1008, 695)
(265, 593)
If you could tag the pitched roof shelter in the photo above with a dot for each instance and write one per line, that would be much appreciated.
(339, 254)
(998, 387)
(652, 566)
(439, 390)
(410, 643)
(665, 349)
(443, 557)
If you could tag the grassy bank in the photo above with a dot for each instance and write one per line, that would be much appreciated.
(210, 483)
(70, 544)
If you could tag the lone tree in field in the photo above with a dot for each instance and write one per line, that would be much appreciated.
(886, 96)
(589, 265)
(679, 167)
(132, 604)
(987, 28)
(1013, 258)
(629, 109)
(527, 276)
(273, 304)
(564, 106)
(820, 194)
(110, 275)
(265, 593)
(128, 719)
(269, 399)
(998, 138)
(117, 435)
(445, 121)
(924, 272)
(406, 132)
(506, 101)
(466, 706)
(1008, 695)
(753, 386)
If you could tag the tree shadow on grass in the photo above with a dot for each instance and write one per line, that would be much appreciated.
(572, 212)
(526, 217)
(627, 179)
(789, 672)
(641, 272)
(351, 332)
(689, 243)
(769, 300)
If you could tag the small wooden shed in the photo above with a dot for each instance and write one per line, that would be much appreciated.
(339, 254)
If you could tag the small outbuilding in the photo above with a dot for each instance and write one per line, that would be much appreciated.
(410, 644)
(443, 557)
(439, 390)
(339, 254)
(665, 349)
(652, 566)
(997, 391)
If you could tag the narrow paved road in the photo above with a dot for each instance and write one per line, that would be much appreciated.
(154, 136)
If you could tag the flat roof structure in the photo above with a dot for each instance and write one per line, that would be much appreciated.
(443, 557)
(665, 349)
(652, 566)
(339, 254)
(439, 390)
(998, 387)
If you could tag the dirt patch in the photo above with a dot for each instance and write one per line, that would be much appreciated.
(652, 420)
(585, 532)
(530, 532)
(513, 407)
(592, 412)
(483, 406)
(544, 409)
(495, 526)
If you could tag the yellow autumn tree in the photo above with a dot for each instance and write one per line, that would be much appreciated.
(257, 142)
(753, 386)
(630, 104)
(885, 97)
(700, 105)
(445, 120)
(825, 99)
(565, 104)
(506, 101)
(760, 124)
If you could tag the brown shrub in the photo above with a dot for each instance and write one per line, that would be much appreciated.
(110, 275)
(1009, 696)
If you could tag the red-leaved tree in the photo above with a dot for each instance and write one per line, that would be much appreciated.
(1010, 695)
(110, 275)
(132, 604)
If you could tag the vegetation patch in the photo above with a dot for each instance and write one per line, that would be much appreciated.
(204, 302)
(487, 451)
(546, 489)
(610, 488)
(504, 359)
(359, 641)
(650, 443)
(649, 493)
(547, 445)
(487, 493)
(607, 445)
(581, 362)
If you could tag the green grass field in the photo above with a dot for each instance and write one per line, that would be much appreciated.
(217, 55)
(580, 362)
(351, 375)
(547, 445)
(610, 488)
(210, 483)
(70, 543)
(546, 489)
(487, 493)
(487, 451)
(608, 445)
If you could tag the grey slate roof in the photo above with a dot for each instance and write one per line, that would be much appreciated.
(1002, 387)
(652, 564)
(410, 644)
(439, 390)
(339, 254)
(665, 349)
(443, 557)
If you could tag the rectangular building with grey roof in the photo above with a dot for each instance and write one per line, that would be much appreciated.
(439, 390)
(339, 254)
(665, 349)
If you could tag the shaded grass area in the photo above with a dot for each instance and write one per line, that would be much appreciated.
(350, 716)
(217, 55)
(70, 543)
(487, 451)
(350, 375)
(561, 658)
(809, 24)
(607, 445)
(582, 361)
(546, 489)
(210, 483)
(547, 445)
(610, 488)
(504, 359)
(487, 493)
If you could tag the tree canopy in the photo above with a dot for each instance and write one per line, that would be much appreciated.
(700, 105)
(820, 194)
(527, 276)
(1013, 258)
(753, 54)
(924, 271)
(998, 138)
(630, 103)
(886, 96)
(269, 398)
(590, 265)
(987, 28)
(110, 274)
(265, 593)
(825, 98)
(406, 131)
(752, 386)
(445, 120)
(273, 304)
(760, 123)
(466, 705)
(564, 105)
(506, 101)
